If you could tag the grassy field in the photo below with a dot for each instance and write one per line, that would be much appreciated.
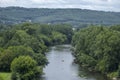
(5, 76)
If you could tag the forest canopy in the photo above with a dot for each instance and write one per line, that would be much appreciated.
(23, 46)
(98, 48)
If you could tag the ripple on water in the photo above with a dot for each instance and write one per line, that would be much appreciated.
(61, 66)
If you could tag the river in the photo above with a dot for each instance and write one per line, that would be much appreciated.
(61, 66)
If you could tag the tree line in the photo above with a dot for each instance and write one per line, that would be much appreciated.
(11, 15)
(23, 47)
(98, 48)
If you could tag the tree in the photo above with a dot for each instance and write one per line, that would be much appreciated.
(58, 38)
(7, 55)
(41, 59)
(25, 68)
(98, 47)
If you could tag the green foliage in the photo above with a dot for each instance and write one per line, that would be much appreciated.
(113, 74)
(58, 38)
(22, 38)
(115, 27)
(7, 36)
(25, 68)
(86, 60)
(30, 39)
(43, 38)
(41, 59)
(98, 47)
(1, 41)
(7, 56)
(64, 29)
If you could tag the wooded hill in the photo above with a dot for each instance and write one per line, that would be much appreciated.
(12, 15)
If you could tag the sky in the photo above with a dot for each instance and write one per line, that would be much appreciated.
(102, 5)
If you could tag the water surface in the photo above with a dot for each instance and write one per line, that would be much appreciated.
(61, 66)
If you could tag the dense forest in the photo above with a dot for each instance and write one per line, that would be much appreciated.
(82, 17)
(98, 49)
(23, 47)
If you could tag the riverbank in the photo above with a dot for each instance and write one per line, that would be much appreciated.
(97, 48)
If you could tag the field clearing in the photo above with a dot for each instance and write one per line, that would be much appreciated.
(5, 76)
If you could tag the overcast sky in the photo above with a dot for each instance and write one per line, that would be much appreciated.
(105, 5)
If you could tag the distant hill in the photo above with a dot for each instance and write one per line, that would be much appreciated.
(13, 15)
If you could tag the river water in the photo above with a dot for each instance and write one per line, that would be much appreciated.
(61, 66)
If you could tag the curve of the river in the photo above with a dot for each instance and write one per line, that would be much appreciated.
(61, 66)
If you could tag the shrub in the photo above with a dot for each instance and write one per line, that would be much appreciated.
(25, 68)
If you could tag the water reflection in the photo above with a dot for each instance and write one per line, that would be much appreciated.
(61, 66)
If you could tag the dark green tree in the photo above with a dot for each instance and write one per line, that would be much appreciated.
(25, 68)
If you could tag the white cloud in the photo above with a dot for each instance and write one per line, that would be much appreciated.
(106, 5)
(6, 2)
(44, 1)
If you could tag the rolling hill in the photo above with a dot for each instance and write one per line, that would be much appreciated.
(13, 15)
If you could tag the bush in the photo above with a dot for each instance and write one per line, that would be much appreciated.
(7, 56)
(25, 68)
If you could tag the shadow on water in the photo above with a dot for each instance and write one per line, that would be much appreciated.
(61, 66)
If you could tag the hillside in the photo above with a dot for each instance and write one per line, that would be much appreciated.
(12, 15)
